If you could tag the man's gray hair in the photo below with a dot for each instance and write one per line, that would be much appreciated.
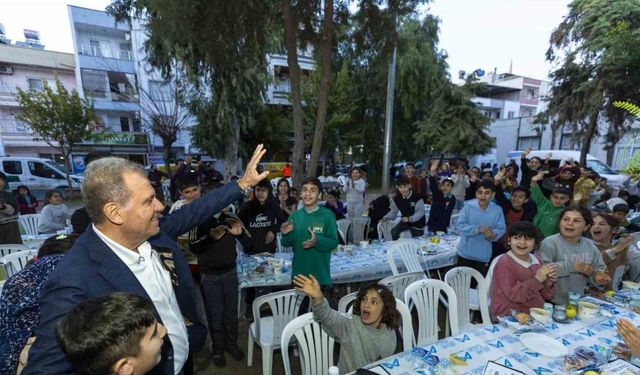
(104, 183)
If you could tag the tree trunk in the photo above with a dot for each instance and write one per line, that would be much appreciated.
(67, 164)
(554, 134)
(290, 31)
(588, 136)
(231, 153)
(325, 86)
(610, 152)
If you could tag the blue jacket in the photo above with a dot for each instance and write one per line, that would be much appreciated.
(473, 245)
(91, 269)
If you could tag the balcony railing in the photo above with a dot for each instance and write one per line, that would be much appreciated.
(9, 126)
(99, 51)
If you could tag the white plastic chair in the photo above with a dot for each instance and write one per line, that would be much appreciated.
(346, 303)
(489, 279)
(314, 344)
(342, 235)
(424, 295)
(29, 224)
(453, 221)
(16, 262)
(360, 228)
(267, 331)
(399, 283)
(279, 247)
(618, 274)
(384, 230)
(459, 279)
(408, 253)
(343, 225)
(11, 248)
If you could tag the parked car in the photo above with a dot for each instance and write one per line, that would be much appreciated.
(559, 157)
(39, 175)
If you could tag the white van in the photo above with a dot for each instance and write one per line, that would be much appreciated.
(558, 157)
(39, 175)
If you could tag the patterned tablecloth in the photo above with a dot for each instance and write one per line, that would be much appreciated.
(502, 344)
(348, 263)
(34, 242)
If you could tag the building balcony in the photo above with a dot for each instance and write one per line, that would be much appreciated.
(532, 101)
(105, 52)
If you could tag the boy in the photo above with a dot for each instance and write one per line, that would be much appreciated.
(620, 212)
(189, 188)
(480, 223)
(335, 205)
(411, 209)
(114, 334)
(313, 234)
(215, 244)
(546, 218)
(410, 172)
(443, 202)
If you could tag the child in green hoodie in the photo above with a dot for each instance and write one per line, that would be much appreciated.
(548, 209)
(312, 233)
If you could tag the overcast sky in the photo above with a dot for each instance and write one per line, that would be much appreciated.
(483, 34)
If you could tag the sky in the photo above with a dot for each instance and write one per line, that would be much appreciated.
(477, 34)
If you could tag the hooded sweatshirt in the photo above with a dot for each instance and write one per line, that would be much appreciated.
(547, 216)
(214, 256)
(259, 219)
(53, 218)
(473, 245)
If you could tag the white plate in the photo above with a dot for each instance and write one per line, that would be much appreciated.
(544, 345)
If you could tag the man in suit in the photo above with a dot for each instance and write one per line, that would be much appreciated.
(130, 249)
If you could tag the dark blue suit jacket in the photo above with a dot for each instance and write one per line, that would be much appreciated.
(91, 269)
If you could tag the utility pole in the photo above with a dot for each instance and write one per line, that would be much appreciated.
(388, 122)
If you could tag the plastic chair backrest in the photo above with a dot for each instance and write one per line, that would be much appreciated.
(284, 305)
(453, 221)
(407, 325)
(489, 279)
(30, 224)
(360, 228)
(11, 248)
(279, 247)
(346, 303)
(342, 237)
(407, 251)
(399, 283)
(459, 279)
(618, 274)
(314, 345)
(424, 295)
(16, 262)
(343, 225)
(384, 230)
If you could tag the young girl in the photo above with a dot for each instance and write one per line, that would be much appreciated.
(366, 336)
(520, 280)
(355, 193)
(26, 201)
(604, 228)
(288, 204)
(262, 218)
(54, 213)
(577, 259)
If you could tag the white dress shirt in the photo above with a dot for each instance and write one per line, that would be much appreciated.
(156, 281)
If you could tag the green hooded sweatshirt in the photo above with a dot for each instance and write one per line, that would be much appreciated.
(547, 217)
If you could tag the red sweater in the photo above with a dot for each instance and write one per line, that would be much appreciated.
(514, 287)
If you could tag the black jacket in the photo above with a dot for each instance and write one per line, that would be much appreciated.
(260, 219)
(441, 208)
(214, 256)
(530, 208)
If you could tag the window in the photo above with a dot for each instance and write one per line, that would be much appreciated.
(531, 94)
(122, 86)
(159, 90)
(511, 114)
(35, 84)
(526, 142)
(12, 166)
(94, 83)
(39, 169)
(124, 124)
(95, 48)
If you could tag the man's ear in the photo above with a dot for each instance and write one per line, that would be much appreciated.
(111, 212)
(123, 367)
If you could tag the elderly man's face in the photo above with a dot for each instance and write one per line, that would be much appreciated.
(140, 212)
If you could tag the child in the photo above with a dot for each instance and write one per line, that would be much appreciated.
(577, 259)
(530, 167)
(215, 245)
(366, 336)
(443, 202)
(189, 188)
(411, 208)
(520, 281)
(583, 187)
(604, 229)
(312, 233)
(114, 334)
(26, 201)
(620, 212)
(480, 223)
(54, 213)
(355, 193)
(262, 218)
(9, 229)
(333, 203)
(410, 172)
(377, 209)
(288, 204)
(546, 218)
(460, 185)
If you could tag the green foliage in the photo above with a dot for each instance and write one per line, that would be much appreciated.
(629, 107)
(59, 118)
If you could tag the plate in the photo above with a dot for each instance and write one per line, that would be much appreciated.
(544, 345)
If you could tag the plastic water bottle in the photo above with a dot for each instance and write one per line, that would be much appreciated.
(333, 370)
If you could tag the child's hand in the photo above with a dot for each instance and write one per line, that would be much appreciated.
(526, 152)
(309, 286)
(537, 178)
(584, 268)
(269, 237)
(311, 242)
(602, 278)
(434, 165)
(235, 229)
(630, 335)
(286, 227)
(405, 219)
(542, 274)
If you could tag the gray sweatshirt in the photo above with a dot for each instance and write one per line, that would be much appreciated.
(564, 254)
(53, 218)
(359, 344)
(354, 194)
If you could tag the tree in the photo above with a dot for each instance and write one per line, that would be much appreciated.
(58, 118)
